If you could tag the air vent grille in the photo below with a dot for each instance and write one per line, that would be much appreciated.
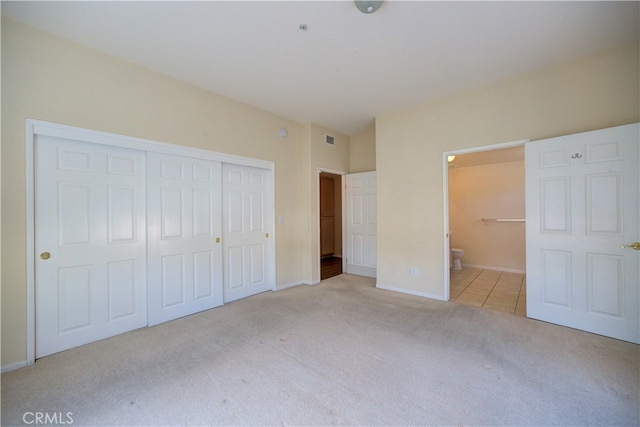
(330, 139)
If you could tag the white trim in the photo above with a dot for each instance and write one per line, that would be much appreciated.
(15, 366)
(39, 127)
(332, 171)
(494, 268)
(410, 292)
(447, 257)
(445, 197)
(30, 245)
(271, 194)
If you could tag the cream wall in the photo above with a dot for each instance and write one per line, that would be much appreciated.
(596, 92)
(362, 151)
(488, 191)
(48, 78)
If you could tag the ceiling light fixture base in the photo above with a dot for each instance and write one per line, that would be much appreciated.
(365, 6)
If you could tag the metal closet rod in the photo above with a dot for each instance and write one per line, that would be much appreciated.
(503, 219)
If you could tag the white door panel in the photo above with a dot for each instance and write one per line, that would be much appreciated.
(361, 196)
(246, 217)
(185, 253)
(582, 206)
(90, 218)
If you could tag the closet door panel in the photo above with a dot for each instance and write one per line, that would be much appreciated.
(90, 270)
(185, 253)
(248, 259)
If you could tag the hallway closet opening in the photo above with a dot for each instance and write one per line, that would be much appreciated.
(330, 225)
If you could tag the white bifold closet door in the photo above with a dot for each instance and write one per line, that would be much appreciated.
(90, 242)
(246, 219)
(184, 236)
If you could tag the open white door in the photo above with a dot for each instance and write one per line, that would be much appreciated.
(582, 208)
(361, 200)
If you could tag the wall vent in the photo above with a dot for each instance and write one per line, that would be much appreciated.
(330, 139)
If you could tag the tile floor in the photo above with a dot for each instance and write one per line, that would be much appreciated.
(494, 290)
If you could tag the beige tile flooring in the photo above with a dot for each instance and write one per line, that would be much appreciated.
(494, 290)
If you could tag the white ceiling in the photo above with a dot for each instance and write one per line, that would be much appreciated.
(347, 67)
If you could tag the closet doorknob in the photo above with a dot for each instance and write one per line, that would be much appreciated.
(634, 245)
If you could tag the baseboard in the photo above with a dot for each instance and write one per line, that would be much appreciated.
(294, 284)
(361, 271)
(488, 267)
(410, 292)
(14, 366)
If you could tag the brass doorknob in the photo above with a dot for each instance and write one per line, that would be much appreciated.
(217, 240)
(634, 245)
(45, 255)
(266, 235)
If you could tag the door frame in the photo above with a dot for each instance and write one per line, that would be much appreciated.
(445, 197)
(319, 170)
(39, 127)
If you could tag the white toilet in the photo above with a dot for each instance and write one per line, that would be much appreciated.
(457, 257)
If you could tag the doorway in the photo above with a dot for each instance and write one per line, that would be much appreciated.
(581, 194)
(330, 225)
(485, 211)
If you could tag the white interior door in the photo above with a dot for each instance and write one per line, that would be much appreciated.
(184, 232)
(361, 223)
(89, 242)
(248, 258)
(582, 207)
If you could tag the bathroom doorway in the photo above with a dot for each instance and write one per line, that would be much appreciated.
(484, 219)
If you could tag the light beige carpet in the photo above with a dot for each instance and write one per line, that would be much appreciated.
(339, 353)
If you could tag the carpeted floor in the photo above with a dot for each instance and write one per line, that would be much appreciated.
(338, 353)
